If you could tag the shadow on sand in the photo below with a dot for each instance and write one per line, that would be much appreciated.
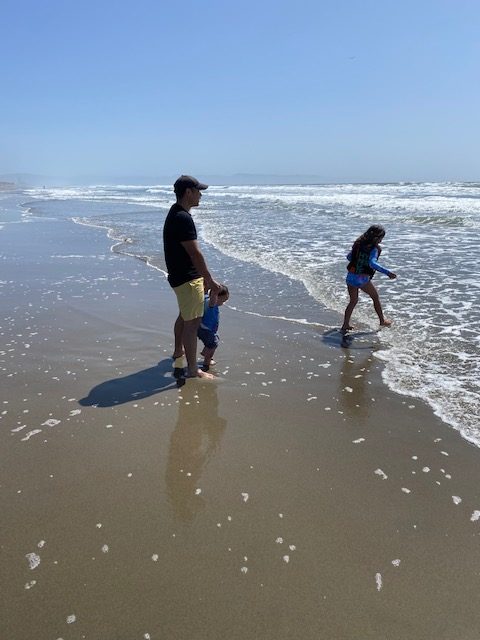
(132, 387)
(351, 340)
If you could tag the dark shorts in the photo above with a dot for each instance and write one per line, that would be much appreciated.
(209, 339)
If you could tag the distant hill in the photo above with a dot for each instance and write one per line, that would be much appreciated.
(7, 186)
(28, 180)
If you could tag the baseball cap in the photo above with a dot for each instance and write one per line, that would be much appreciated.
(188, 182)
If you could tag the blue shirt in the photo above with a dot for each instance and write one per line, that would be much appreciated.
(211, 316)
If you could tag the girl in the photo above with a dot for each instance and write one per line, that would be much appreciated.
(361, 269)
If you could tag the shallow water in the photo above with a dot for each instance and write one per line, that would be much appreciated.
(282, 251)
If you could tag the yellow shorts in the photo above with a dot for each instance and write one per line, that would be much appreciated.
(190, 296)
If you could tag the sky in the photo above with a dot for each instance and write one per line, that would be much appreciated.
(347, 90)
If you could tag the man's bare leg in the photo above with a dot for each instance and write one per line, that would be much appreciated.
(178, 334)
(190, 329)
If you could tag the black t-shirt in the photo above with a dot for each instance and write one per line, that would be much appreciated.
(179, 227)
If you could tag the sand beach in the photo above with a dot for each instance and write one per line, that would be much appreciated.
(294, 498)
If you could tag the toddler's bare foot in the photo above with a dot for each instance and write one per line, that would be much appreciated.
(386, 323)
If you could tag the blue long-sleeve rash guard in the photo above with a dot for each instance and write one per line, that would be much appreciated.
(372, 261)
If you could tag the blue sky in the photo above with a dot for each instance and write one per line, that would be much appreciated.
(346, 90)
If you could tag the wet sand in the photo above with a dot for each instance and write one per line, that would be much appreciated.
(294, 498)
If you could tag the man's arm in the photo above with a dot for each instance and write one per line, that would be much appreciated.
(196, 256)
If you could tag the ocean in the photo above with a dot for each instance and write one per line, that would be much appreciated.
(282, 251)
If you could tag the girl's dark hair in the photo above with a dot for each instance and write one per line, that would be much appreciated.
(371, 236)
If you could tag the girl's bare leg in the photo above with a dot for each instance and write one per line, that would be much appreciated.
(353, 293)
(370, 289)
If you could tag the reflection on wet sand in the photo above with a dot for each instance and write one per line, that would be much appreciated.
(354, 399)
(196, 437)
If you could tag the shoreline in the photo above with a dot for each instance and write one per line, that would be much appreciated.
(297, 497)
(390, 386)
(435, 407)
(457, 406)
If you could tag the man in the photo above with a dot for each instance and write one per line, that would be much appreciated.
(188, 273)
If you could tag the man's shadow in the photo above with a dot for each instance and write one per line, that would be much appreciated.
(135, 386)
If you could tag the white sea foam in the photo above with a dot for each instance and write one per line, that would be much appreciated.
(432, 351)
(33, 560)
(51, 422)
(30, 434)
